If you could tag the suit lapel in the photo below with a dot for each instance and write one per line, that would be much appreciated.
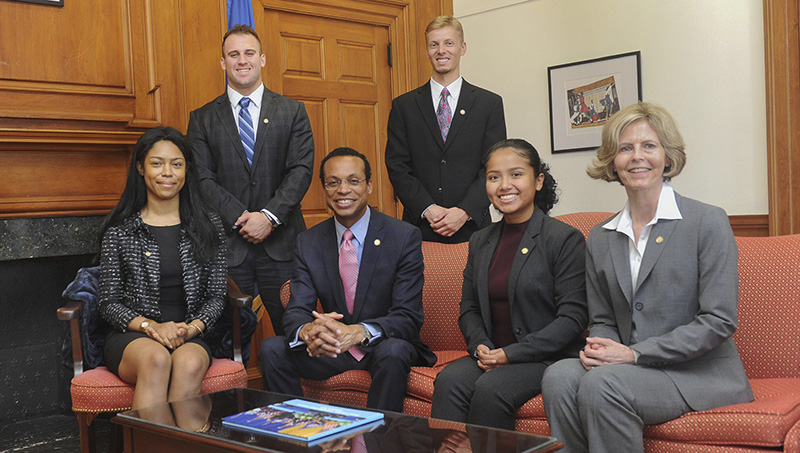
(662, 229)
(618, 244)
(268, 106)
(228, 122)
(465, 100)
(425, 105)
(528, 242)
(369, 256)
(483, 260)
(330, 258)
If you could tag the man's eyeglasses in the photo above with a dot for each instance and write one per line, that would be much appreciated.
(334, 184)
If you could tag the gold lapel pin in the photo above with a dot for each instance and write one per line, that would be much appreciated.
(659, 240)
(146, 253)
(377, 242)
(463, 112)
(266, 120)
(525, 251)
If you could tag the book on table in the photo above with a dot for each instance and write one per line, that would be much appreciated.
(302, 420)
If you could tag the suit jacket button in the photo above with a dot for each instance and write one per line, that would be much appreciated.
(444, 161)
(252, 183)
(440, 190)
(518, 331)
(639, 306)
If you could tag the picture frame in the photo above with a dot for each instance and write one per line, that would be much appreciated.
(44, 2)
(585, 94)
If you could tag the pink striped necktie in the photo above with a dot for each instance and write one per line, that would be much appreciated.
(348, 271)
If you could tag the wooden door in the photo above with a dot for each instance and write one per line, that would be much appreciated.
(340, 70)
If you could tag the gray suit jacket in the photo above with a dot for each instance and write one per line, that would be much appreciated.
(546, 291)
(684, 305)
(283, 164)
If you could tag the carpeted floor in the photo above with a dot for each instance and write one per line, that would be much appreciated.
(55, 433)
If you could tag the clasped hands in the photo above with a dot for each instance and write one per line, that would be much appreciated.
(254, 226)
(326, 336)
(603, 351)
(446, 221)
(489, 359)
(170, 334)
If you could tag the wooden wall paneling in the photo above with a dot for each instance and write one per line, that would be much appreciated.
(203, 24)
(782, 55)
(749, 225)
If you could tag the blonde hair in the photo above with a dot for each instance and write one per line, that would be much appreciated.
(445, 21)
(602, 166)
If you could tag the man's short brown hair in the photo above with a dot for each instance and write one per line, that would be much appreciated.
(241, 29)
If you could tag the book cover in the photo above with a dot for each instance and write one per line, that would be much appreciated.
(301, 420)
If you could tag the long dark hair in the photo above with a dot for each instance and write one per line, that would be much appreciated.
(546, 198)
(194, 211)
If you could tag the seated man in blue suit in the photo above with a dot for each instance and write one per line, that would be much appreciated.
(366, 270)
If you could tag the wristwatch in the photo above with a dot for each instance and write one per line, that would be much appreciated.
(146, 323)
(367, 336)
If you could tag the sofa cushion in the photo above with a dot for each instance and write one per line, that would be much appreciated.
(764, 422)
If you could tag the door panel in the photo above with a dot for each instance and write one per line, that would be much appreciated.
(339, 68)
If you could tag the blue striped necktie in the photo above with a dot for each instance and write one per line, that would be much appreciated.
(246, 130)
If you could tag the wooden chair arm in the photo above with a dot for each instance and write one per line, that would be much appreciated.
(235, 296)
(238, 300)
(72, 312)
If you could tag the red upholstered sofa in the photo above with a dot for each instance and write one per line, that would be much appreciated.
(768, 339)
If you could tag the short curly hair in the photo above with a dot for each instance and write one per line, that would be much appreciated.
(602, 166)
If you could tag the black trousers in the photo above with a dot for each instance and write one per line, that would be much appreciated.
(388, 363)
(464, 393)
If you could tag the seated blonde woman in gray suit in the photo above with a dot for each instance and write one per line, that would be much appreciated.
(523, 303)
(662, 288)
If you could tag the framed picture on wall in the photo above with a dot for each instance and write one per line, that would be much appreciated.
(584, 95)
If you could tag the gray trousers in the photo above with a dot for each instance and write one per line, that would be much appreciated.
(464, 393)
(605, 409)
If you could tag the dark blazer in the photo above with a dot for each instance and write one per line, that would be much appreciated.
(390, 278)
(684, 306)
(424, 170)
(546, 291)
(283, 163)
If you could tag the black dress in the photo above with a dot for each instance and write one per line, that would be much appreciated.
(172, 303)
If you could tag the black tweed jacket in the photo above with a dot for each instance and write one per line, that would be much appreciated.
(130, 276)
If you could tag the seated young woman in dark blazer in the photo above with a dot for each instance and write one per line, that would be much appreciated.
(523, 303)
(162, 273)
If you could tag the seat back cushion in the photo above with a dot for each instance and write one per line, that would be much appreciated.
(441, 295)
(584, 221)
(768, 336)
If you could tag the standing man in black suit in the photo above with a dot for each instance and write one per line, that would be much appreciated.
(365, 268)
(255, 172)
(438, 138)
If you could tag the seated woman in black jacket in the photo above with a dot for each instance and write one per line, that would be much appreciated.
(162, 273)
(523, 303)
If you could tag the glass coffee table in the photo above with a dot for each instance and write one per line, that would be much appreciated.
(195, 425)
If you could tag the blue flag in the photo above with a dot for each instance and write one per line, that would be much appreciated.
(240, 12)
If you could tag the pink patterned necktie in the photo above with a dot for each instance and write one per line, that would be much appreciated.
(443, 114)
(348, 271)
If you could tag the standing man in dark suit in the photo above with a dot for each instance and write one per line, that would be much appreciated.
(438, 138)
(255, 172)
(366, 270)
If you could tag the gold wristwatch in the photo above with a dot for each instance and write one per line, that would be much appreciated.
(144, 325)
